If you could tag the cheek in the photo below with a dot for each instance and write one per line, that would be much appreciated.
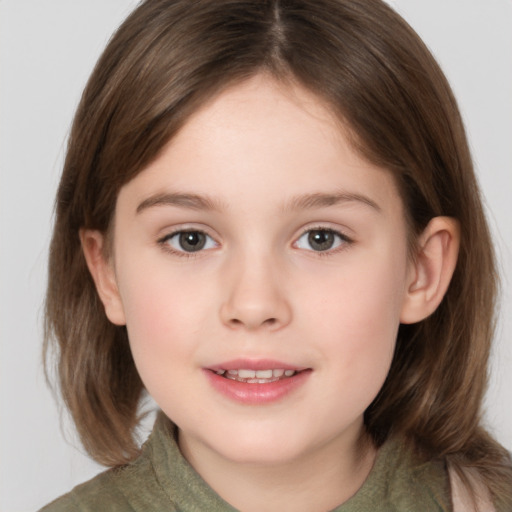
(160, 333)
(163, 313)
(149, 310)
(359, 312)
(157, 296)
(363, 295)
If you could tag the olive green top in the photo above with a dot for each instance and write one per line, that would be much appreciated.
(160, 479)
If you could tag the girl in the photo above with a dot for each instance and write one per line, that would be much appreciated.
(268, 221)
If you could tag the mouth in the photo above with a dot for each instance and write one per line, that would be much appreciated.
(265, 376)
(257, 382)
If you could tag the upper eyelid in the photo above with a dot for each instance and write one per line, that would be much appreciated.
(168, 235)
(175, 232)
(324, 227)
(172, 231)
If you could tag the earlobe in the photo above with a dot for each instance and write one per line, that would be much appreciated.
(102, 272)
(432, 269)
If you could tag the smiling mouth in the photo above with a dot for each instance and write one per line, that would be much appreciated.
(257, 376)
(257, 382)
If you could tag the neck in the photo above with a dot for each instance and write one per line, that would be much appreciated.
(322, 480)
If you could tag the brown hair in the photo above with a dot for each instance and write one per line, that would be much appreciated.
(363, 60)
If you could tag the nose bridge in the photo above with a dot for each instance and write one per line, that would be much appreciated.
(255, 294)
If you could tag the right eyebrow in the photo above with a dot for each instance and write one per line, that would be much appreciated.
(183, 200)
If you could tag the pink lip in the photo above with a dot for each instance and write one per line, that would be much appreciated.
(254, 364)
(256, 394)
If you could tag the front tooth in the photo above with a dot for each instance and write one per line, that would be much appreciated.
(289, 373)
(264, 374)
(233, 372)
(278, 373)
(246, 374)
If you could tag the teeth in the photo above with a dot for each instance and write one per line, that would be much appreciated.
(263, 374)
(246, 374)
(256, 376)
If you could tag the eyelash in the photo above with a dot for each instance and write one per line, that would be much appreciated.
(342, 241)
(164, 242)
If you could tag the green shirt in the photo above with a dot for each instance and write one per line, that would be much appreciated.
(160, 479)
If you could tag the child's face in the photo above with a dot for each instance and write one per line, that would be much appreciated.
(295, 259)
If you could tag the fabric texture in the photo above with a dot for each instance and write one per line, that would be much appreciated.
(160, 479)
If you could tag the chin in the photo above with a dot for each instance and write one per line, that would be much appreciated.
(259, 446)
(261, 454)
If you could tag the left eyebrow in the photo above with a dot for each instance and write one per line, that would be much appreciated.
(183, 200)
(321, 200)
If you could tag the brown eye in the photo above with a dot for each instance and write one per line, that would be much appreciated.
(321, 240)
(189, 241)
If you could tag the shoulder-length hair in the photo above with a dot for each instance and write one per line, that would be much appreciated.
(370, 67)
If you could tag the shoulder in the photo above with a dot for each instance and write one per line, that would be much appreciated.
(134, 487)
(130, 488)
(89, 496)
(159, 479)
(400, 481)
(417, 480)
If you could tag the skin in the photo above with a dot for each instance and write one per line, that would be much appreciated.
(259, 289)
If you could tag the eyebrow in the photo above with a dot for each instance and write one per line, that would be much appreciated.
(321, 200)
(183, 200)
(301, 202)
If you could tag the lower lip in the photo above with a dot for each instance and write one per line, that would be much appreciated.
(256, 394)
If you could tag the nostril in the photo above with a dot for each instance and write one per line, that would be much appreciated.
(235, 322)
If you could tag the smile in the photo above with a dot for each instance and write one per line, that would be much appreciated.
(257, 376)
(257, 382)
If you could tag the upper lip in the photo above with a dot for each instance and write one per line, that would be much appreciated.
(255, 364)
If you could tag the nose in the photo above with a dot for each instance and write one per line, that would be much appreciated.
(254, 296)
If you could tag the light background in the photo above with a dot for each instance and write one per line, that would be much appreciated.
(47, 51)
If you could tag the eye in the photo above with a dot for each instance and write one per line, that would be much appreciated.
(321, 240)
(189, 241)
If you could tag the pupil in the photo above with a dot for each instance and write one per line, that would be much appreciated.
(192, 241)
(321, 240)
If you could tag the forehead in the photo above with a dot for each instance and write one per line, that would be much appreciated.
(261, 141)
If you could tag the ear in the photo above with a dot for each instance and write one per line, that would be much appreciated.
(431, 269)
(102, 272)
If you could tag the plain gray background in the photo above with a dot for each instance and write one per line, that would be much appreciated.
(47, 50)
